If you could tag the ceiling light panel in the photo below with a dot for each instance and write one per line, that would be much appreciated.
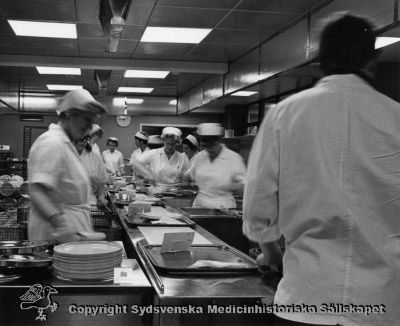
(58, 71)
(174, 35)
(146, 74)
(134, 90)
(382, 41)
(173, 102)
(120, 101)
(243, 93)
(43, 29)
(53, 87)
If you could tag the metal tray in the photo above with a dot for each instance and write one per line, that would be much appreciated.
(22, 247)
(180, 262)
(142, 221)
(24, 261)
(5, 278)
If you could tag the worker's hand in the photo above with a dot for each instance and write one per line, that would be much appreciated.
(262, 260)
(102, 201)
(62, 230)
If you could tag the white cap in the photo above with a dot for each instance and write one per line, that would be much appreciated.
(81, 99)
(172, 131)
(210, 129)
(155, 140)
(193, 140)
(141, 135)
(95, 128)
(113, 139)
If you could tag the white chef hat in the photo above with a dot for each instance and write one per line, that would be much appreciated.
(82, 100)
(141, 135)
(171, 131)
(155, 140)
(192, 139)
(210, 129)
(114, 139)
(95, 129)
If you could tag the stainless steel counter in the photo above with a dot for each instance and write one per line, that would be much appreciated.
(206, 293)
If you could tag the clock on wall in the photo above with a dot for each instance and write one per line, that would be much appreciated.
(123, 120)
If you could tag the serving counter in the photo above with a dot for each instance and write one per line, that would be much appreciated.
(151, 298)
(204, 299)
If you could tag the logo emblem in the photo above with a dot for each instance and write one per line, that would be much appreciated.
(39, 297)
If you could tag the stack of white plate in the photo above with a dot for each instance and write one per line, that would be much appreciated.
(86, 260)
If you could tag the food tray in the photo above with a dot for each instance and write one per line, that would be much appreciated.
(142, 221)
(22, 247)
(179, 262)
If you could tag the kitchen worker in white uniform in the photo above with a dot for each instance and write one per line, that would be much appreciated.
(95, 169)
(96, 134)
(141, 140)
(113, 159)
(155, 142)
(324, 173)
(217, 171)
(190, 147)
(166, 165)
(59, 184)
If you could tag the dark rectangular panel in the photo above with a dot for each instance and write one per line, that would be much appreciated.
(285, 51)
(138, 15)
(196, 97)
(379, 12)
(55, 10)
(165, 51)
(217, 4)
(183, 103)
(287, 6)
(250, 20)
(230, 36)
(213, 88)
(185, 17)
(217, 52)
(243, 72)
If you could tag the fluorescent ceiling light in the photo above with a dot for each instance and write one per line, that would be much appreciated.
(382, 41)
(134, 90)
(63, 87)
(43, 29)
(146, 74)
(120, 101)
(58, 71)
(173, 102)
(174, 35)
(243, 93)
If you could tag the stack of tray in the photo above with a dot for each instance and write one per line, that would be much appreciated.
(92, 261)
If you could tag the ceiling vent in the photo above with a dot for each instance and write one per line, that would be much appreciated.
(112, 16)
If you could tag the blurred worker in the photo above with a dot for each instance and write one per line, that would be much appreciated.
(190, 147)
(96, 134)
(155, 141)
(323, 172)
(165, 165)
(217, 171)
(113, 159)
(95, 168)
(141, 140)
(59, 184)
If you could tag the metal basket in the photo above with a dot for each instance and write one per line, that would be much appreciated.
(16, 232)
(23, 214)
(100, 216)
(114, 233)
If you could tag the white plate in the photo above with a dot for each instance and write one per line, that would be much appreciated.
(88, 248)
